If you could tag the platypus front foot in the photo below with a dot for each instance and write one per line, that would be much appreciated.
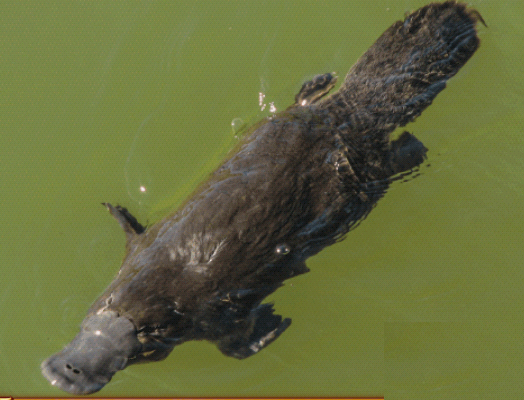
(264, 328)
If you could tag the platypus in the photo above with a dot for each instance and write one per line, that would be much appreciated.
(298, 182)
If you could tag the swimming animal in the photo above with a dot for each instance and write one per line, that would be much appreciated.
(299, 181)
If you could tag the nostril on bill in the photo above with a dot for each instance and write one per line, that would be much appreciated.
(73, 369)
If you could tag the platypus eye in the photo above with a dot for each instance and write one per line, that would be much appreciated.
(282, 249)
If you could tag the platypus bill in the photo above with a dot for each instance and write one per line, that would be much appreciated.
(299, 182)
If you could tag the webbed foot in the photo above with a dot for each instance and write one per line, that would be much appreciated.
(313, 90)
(407, 152)
(263, 328)
(127, 221)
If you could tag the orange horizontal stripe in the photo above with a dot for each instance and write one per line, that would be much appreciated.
(198, 398)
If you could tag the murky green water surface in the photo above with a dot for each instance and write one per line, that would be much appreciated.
(424, 300)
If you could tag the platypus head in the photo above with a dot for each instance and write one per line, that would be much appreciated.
(104, 345)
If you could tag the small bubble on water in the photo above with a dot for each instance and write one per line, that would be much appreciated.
(237, 124)
(282, 249)
(261, 97)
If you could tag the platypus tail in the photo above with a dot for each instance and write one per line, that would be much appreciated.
(405, 69)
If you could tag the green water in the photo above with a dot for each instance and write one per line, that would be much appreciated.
(423, 301)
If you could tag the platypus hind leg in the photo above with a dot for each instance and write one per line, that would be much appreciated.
(406, 153)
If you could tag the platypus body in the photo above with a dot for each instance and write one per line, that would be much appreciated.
(298, 182)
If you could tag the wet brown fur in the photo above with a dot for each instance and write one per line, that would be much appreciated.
(302, 179)
(298, 183)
